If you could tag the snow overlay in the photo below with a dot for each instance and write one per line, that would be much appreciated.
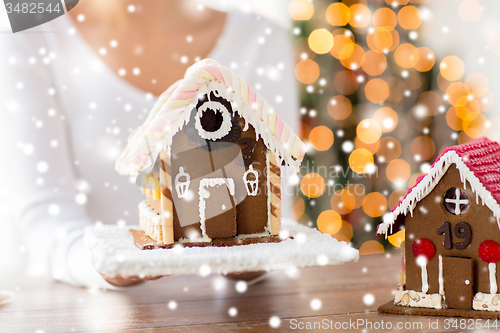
(115, 254)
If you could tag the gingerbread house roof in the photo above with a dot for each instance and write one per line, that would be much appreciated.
(173, 109)
(478, 162)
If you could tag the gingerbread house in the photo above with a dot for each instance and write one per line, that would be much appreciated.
(208, 160)
(451, 221)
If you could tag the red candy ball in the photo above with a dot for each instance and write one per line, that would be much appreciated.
(423, 247)
(489, 251)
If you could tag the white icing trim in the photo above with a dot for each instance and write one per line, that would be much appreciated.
(149, 220)
(225, 127)
(204, 194)
(430, 180)
(150, 143)
(425, 283)
(492, 267)
(486, 302)
(418, 299)
(440, 278)
(182, 188)
(254, 184)
(245, 236)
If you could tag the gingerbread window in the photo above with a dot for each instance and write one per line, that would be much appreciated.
(456, 201)
(213, 120)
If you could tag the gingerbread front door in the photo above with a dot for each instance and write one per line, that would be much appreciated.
(458, 279)
(217, 207)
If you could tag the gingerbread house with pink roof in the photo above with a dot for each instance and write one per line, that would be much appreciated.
(208, 160)
(451, 220)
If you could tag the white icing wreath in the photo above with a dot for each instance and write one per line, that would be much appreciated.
(225, 127)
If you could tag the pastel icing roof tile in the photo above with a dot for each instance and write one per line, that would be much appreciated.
(173, 109)
(478, 162)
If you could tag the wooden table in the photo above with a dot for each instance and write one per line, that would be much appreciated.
(202, 304)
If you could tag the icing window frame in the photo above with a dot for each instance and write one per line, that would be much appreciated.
(453, 205)
(225, 127)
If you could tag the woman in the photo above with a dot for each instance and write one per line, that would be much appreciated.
(73, 89)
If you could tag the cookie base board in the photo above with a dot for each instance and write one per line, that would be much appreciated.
(115, 254)
(144, 242)
(391, 308)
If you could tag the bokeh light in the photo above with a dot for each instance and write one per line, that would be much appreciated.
(374, 204)
(361, 160)
(387, 119)
(371, 147)
(409, 18)
(423, 148)
(345, 82)
(301, 10)
(369, 131)
(398, 171)
(423, 59)
(376, 91)
(384, 18)
(458, 94)
(339, 107)
(452, 68)
(395, 197)
(337, 204)
(338, 14)
(360, 16)
(329, 222)
(470, 10)
(404, 55)
(352, 196)
(312, 185)
(375, 63)
(371, 247)
(390, 149)
(307, 71)
(345, 233)
(352, 56)
(397, 238)
(320, 41)
(321, 138)
(474, 124)
(341, 38)
(494, 42)
(478, 84)
(298, 207)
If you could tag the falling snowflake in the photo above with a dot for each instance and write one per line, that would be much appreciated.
(274, 321)
(232, 311)
(42, 167)
(241, 286)
(54, 209)
(316, 304)
(205, 270)
(172, 305)
(368, 299)
(81, 198)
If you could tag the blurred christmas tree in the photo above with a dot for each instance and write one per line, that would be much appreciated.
(376, 111)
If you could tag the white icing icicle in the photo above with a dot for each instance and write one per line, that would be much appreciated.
(425, 284)
(492, 267)
(429, 182)
(440, 278)
(422, 262)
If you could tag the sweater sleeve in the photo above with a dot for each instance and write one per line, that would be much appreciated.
(37, 166)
